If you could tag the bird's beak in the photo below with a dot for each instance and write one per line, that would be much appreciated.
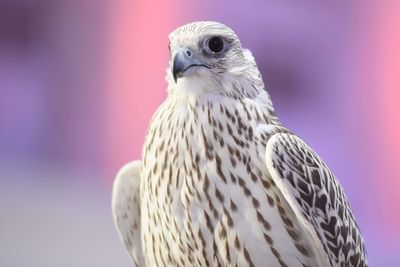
(183, 60)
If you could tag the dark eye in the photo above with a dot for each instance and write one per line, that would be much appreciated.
(216, 45)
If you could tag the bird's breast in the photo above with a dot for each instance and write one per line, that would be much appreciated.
(206, 191)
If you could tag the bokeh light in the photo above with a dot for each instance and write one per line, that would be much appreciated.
(80, 80)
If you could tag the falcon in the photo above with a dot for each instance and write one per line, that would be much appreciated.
(221, 182)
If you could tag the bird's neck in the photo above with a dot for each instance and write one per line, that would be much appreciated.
(231, 89)
(189, 106)
(238, 82)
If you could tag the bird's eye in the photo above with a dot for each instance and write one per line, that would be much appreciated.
(216, 45)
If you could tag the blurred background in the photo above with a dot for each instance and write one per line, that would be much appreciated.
(79, 81)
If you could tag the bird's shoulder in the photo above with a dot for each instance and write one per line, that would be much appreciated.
(126, 209)
(317, 198)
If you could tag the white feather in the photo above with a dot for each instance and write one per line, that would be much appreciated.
(126, 209)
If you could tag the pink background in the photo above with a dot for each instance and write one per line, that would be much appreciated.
(79, 81)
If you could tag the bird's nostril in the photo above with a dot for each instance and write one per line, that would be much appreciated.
(188, 52)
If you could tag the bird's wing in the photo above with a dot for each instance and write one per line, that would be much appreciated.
(316, 198)
(126, 209)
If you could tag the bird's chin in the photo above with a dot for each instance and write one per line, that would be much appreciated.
(193, 70)
(195, 82)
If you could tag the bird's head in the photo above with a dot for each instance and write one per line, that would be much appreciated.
(207, 57)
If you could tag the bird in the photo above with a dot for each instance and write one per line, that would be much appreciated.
(221, 182)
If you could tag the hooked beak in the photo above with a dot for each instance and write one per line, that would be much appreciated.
(183, 60)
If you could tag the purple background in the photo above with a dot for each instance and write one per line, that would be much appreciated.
(79, 81)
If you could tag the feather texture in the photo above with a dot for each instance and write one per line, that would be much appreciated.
(126, 209)
(317, 199)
